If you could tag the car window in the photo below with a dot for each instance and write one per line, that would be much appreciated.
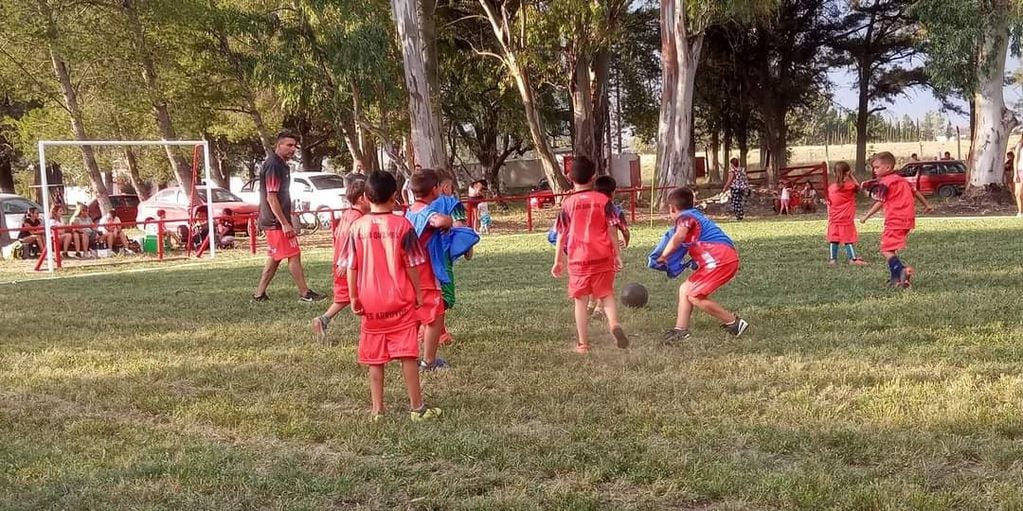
(909, 171)
(929, 169)
(166, 196)
(219, 195)
(17, 206)
(328, 182)
(955, 168)
(181, 198)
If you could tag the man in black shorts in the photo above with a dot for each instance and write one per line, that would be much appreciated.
(275, 219)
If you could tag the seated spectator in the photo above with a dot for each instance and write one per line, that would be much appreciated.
(200, 228)
(170, 238)
(64, 236)
(225, 230)
(83, 229)
(31, 235)
(111, 234)
(809, 198)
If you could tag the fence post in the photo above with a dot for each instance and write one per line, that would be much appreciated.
(529, 214)
(632, 204)
(251, 226)
(159, 240)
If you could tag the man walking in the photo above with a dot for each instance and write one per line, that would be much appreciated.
(275, 219)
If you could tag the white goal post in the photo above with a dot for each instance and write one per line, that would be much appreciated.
(43, 180)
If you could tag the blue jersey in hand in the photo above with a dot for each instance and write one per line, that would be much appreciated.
(676, 263)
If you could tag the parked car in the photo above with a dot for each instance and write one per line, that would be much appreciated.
(14, 208)
(126, 207)
(945, 178)
(311, 191)
(174, 201)
(541, 194)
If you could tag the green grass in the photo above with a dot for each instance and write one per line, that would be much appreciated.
(168, 390)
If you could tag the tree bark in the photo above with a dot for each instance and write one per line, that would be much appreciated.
(427, 138)
(156, 96)
(6, 167)
(63, 75)
(141, 188)
(862, 115)
(994, 121)
(714, 163)
(541, 146)
(584, 141)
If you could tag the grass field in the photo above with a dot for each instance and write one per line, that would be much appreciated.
(169, 390)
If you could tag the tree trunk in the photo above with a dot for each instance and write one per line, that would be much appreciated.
(541, 146)
(994, 121)
(714, 163)
(584, 141)
(862, 115)
(600, 87)
(777, 133)
(156, 97)
(680, 56)
(427, 138)
(6, 168)
(141, 188)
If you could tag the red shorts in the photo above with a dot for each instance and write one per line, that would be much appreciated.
(598, 285)
(433, 306)
(281, 247)
(341, 294)
(706, 280)
(380, 348)
(893, 240)
(842, 233)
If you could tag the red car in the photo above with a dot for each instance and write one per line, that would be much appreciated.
(945, 178)
(174, 201)
(126, 207)
(541, 195)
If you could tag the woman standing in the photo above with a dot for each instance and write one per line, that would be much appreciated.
(738, 186)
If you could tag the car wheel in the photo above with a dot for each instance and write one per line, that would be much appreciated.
(947, 192)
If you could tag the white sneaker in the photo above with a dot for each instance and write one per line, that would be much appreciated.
(1019, 215)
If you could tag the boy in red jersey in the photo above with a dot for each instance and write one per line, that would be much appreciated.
(355, 191)
(718, 262)
(586, 220)
(895, 195)
(428, 224)
(382, 258)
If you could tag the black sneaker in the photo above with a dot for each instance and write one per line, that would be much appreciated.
(261, 298)
(676, 335)
(621, 340)
(736, 327)
(311, 296)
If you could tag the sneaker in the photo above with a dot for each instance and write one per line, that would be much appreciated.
(737, 327)
(320, 326)
(1019, 215)
(621, 340)
(311, 296)
(424, 413)
(439, 363)
(261, 298)
(858, 262)
(832, 262)
(676, 335)
(582, 349)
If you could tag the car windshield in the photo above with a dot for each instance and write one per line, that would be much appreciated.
(329, 182)
(219, 195)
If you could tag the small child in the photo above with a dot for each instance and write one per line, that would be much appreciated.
(809, 198)
(786, 196)
(894, 193)
(592, 250)
(447, 203)
(200, 228)
(607, 186)
(225, 229)
(842, 215)
(428, 224)
(356, 195)
(483, 210)
(381, 260)
(718, 263)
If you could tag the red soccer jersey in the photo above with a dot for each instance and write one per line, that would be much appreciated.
(842, 200)
(585, 221)
(708, 254)
(381, 246)
(341, 234)
(897, 195)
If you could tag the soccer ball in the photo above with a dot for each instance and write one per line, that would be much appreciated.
(634, 295)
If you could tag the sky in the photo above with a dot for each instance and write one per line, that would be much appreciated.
(916, 102)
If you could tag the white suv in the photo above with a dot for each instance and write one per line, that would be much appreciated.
(310, 191)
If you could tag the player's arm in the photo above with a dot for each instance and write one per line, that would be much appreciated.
(923, 201)
(728, 183)
(626, 234)
(442, 222)
(676, 241)
(273, 200)
(353, 290)
(559, 251)
(873, 210)
(413, 275)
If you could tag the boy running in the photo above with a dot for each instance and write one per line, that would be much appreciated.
(718, 262)
(356, 194)
(895, 195)
(381, 259)
(584, 227)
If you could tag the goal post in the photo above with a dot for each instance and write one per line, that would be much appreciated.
(44, 179)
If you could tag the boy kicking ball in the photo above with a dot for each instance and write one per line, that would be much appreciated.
(360, 206)
(718, 262)
(895, 195)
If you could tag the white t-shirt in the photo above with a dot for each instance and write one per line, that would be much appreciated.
(483, 208)
(112, 220)
(785, 193)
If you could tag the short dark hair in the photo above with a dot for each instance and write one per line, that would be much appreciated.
(445, 175)
(605, 185)
(424, 181)
(481, 182)
(355, 189)
(734, 161)
(582, 171)
(681, 198)
(380, 187)
(283, 134)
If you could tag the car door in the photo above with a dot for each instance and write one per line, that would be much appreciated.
(928, 177)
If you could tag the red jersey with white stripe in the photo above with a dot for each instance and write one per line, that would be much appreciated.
(382, 246)
(585, 222)
(708, 254)
(341, 233)
(897, 195)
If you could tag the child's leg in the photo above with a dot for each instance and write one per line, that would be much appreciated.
(410, 371)
(685, 307)
(320, 323)
(714, 309)
(431, 339)
(611, 313)
(582, 317)
(850, 252)
(895, 265)
(376, 388)
(334, 309)
(834, 251)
